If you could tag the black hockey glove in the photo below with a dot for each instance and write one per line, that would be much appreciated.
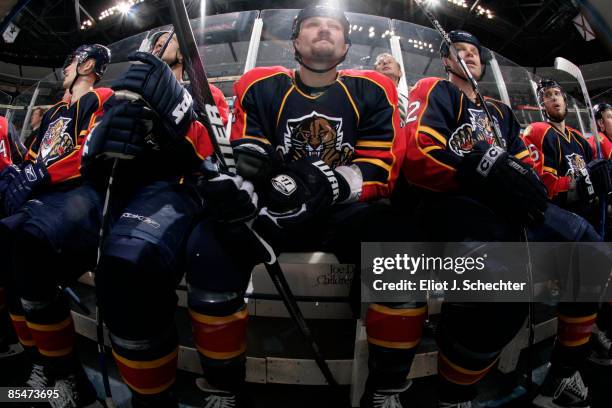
(255, 160)
(30, 178)
(504, 183)
(303, 190)
(122, 133)
(228, 198)
(6, 177)
(154, 81)
(581, 187)
(600, 176)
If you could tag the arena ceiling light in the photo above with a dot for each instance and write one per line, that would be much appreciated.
(122, 7)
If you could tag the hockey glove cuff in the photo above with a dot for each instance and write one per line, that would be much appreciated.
(600, 176)
(255, 160)
(229, 198)
(31, 178)
(154, 81)
(504, 183)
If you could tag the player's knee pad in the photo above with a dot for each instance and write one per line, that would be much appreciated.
(137, 288)
(147, 364)
(563, 226)
(219, 322)
(471, 336)
(36, 277)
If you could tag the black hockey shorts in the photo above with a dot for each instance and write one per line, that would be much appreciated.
(220, 257)
(68, 220)
(160, 214)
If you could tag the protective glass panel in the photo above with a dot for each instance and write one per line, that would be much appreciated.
(421, 54)
(223, 43)
(19, 111)
(5, 101)
(275, 47)
(369, 36)
(522, 96)
(119, 61)
(419, 47)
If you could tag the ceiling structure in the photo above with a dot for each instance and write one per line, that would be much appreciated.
(529, 32)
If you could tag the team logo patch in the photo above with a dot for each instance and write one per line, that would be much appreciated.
(284, 184)
(467, 135)
(575, 164)
(316, 135)
(56, 142)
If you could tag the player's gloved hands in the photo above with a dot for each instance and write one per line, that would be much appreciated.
(229, 198)
(504, 183)
(6, 177)
(122, 133)
(303, 189)
(599, 171)
(254, 160)
(30, 178)
(581, 187)
(154, 81)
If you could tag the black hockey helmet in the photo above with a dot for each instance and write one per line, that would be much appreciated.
(98, 52)
(545, 84)
(155, 37)
(457, 36)
(599, 109)
(321, 10)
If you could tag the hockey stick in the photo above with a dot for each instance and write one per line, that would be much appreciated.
(225, 155)
(498, 139)
(101, 238)
(564, 65)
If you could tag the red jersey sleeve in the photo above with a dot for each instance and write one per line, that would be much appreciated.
(429, 164)
(606, 146)
(380, 145)
(545, 152)
(222, 105)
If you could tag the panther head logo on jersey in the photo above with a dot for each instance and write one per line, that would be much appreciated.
(56, 142)
(465, 136)
(575, 163)
(316, 135)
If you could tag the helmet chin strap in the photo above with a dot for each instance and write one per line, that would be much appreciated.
(449, 70)
(75, 77)
(300, 60)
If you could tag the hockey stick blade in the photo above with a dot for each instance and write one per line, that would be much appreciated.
(205, 103)
(567, 66)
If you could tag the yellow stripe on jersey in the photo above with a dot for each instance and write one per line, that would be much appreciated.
(280, 110)
(261, 139)
(549, 170)
(370, 143)
(376, 162)
(348, 94)
(433, 133)
(522, 154)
